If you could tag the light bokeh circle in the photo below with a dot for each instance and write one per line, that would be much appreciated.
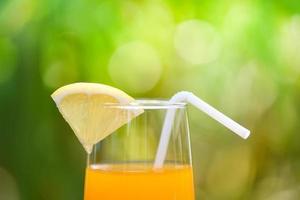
(197, 42)
(135, 67)
(8, 186)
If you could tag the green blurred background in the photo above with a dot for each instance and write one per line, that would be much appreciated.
(241, 56)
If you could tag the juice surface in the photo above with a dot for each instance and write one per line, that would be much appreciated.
(120, 182)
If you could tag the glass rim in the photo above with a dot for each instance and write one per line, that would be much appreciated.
(147, 104)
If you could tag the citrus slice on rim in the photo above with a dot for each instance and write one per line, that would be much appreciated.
(83, 106)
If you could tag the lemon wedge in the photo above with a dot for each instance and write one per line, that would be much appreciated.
(83, 106)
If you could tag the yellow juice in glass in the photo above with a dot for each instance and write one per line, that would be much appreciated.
(123, 182)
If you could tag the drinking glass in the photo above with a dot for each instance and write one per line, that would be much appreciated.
(121, 166)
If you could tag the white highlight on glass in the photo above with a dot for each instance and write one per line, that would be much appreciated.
(201, 105)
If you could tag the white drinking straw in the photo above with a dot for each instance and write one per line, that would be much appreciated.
(189, 97)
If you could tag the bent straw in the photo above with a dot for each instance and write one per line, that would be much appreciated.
(201, 105)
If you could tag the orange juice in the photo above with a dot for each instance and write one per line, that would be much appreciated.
(123, 182)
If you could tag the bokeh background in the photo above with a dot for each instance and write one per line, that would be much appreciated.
(243, 57)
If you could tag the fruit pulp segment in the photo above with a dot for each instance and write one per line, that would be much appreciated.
(168, 183)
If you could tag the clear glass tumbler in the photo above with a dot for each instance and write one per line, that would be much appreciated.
(120, 167)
